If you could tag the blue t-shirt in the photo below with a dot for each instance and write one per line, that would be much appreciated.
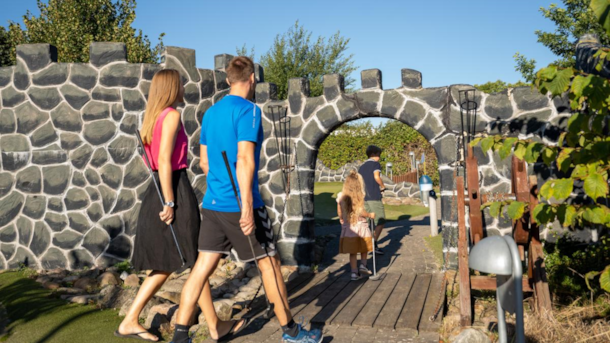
(231, 120)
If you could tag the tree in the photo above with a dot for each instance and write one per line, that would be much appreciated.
(572, 20)
(578, 196)
(296, 54)
(71, 25)
(498, 86)
(5, 47)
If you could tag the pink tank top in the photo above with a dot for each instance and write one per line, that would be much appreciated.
(180, 153)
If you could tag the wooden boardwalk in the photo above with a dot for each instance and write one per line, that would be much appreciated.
(398, 305)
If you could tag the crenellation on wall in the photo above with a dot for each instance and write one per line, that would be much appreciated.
(411, 78)
(371, 78)
(221, 61)
(334, 86)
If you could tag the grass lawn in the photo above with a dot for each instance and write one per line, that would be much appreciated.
(325, 195)
(35, 317)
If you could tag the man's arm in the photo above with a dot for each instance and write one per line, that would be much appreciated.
(203, 159)
(245, 177)
(377, 175)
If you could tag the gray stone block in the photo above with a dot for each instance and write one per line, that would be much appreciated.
(29, 180)
(95, 212)
(120, 75)
(411, 78)
(125, 200)
(312, 134)
(100, 156)
(79, 259)
(120, 247)
(220, 80)
(78, 222)
(96, 241)
(220, 95)
(44, 135)
(67, 119)
(265, 92)
(371, 78)
(83, 75)
(191, 94)
(25, 228)
(368, 102)
(12, 97)
(446, 149)
(298, 89)
(34, 206)
(45, 98)
(334, 85)
(391, 103)
(145, 88)
(41, 238)
(55, 74)
(112, 176)
(117, 112)
(57, 222)
(189, 120)
(221, 62)
(149, 71)
(21, 78)
(6, 183)
(328, 117)
(6, 74)
(7, 121)
(8, 234)
(76, 199)
(102, 53)
(121, 149)
(78, 179)
(206, 85)
(99, 132)
(94, 195)
(81, 156)
(259, 73)
(74, 96)
(23, 257)
(36, 56)
(130, 218)
(55, 179)
(106, 94)
(133, 100)
(186, 58)
(10, 206)
(498, 106)
(69, 141)
(528, 99)
(201, 109)
(296, 253)
(412, 113)
(434, 97)
(55, 204)
(53, 258)
(129, 124)
(50, 155)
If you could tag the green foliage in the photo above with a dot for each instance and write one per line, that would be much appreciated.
(68, 25)
(296, 54)
(348, 144)
(498, 86)
(124, 266)
(582, 151)
(567, 256)
(573, 19)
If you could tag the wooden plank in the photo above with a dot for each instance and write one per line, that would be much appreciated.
(374, 306)
(332, 309)
(465, 304)
(391, 311)
(324, 299)
(304, 287)
(432, 300)
(299, 303)
(488, 283)
(411, 313)
(474, 196)
(543, 294)
(520, 187)
(355, 305)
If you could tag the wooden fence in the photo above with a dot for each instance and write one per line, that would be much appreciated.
(408, 177)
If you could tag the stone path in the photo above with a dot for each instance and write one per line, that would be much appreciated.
(406, 258)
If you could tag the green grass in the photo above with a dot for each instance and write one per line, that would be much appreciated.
(325, 195)
(36, 316)
(436, 245)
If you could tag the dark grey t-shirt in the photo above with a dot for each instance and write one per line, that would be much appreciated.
(371, 187)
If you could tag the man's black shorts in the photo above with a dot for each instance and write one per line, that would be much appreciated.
(220, 231)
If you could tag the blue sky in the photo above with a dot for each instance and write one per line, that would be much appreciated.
(449, 41)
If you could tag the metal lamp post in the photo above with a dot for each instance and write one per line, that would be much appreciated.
(388, 169)
(499, 255)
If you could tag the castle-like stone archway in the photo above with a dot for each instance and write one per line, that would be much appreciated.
(71, 179)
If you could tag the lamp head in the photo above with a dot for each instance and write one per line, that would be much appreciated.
(491, 255)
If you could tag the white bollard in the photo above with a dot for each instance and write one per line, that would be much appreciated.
(433, 216)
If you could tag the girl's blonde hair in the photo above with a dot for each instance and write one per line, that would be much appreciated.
(352, 204)
(165, 90)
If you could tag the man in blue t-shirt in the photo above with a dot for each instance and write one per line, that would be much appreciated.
(373, 185)
(234, 125)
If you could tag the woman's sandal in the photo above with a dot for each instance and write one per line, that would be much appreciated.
(134, 336)
(232, 332)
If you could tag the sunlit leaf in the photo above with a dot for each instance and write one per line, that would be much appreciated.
(594, 215)
(543, 213)
(562, 188)
(507, 146)
(549, 155)
(580, 171)
(487, 143)
(495, 208)
(566, 214)
(516, 209)
(520, 149)
(604, 279)
(596, 186)
(546, 191)
(601, 8)
(532, 152)
(564, 160)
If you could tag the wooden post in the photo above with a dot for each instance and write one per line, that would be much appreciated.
(519, 185)
(476, 218)
(465, 305)
(536, 270)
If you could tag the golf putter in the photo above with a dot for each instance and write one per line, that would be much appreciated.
(152, 175)
(374, 277)
(269, 312)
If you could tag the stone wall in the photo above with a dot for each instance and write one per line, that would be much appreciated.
(393, 190)
(71, 178)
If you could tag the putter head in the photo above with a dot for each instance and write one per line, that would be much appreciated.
(377, 277)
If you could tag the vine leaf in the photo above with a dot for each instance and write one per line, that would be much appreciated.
(548, 155)
(562, 188)
(604, 279)
(543, 213)
(595, 186)
(533, 152)
(601, 8)
(516, 209)
(507, 146)
(487, 143)
(495, 208)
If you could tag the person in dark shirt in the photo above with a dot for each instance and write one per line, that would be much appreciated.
(373, 184)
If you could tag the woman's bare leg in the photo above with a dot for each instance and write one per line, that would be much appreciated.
(150, 286)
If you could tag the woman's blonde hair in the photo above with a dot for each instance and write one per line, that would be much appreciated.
(352, 204)
(165, 90)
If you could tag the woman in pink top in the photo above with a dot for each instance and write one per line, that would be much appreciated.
(166, 145)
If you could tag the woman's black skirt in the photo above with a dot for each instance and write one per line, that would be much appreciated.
(154, 247)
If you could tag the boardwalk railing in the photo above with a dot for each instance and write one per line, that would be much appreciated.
(408, 177)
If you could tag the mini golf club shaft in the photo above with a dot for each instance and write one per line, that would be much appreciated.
(375, 276)
(152, 175)
(224, 156)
